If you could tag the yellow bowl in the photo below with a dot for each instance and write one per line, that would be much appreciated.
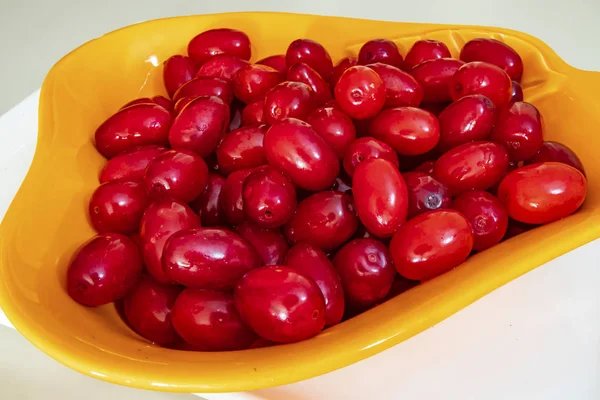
(47, 219)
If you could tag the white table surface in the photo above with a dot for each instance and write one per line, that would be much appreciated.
(536, 338)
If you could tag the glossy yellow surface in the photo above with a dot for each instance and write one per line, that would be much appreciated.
(47, 219)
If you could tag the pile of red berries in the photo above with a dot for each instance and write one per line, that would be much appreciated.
(266, 201)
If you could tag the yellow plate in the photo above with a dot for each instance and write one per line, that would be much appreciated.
(47, 219)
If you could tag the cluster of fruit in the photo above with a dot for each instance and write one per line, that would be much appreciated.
(266, 201)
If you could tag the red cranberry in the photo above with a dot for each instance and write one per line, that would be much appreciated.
(288, 100)
(200, 125)
(311, 53)
(401, 89)
(252, 82)
(118, 207)
(148, 310)
(223, 66)
(242, 148)
(425, 193)
(130, 165)
(181, 175)
(434, 77)
(325, 219)
(468, 119)
(431, 243)
(301, 72)
(335, 127)
(104, 270)
(487, 217)
(380, 196)
(360, 92)
(314, 263)
(542, 193)
(136, 125)
(557, 152)
(219, 41)
(280, 304)
(476, 165)
(293, 147)
(380, 51)
(177, 70)
(409, 130)
(253, 113)
(208, 258)
(519, 128)
(162, 219)
(481, 78)
(494, 52)
(425, 50)
(269, 198)
(209, 321)
(204, 86)
(270, 244)
(366, 271)
(340, 67)
(365, 148)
